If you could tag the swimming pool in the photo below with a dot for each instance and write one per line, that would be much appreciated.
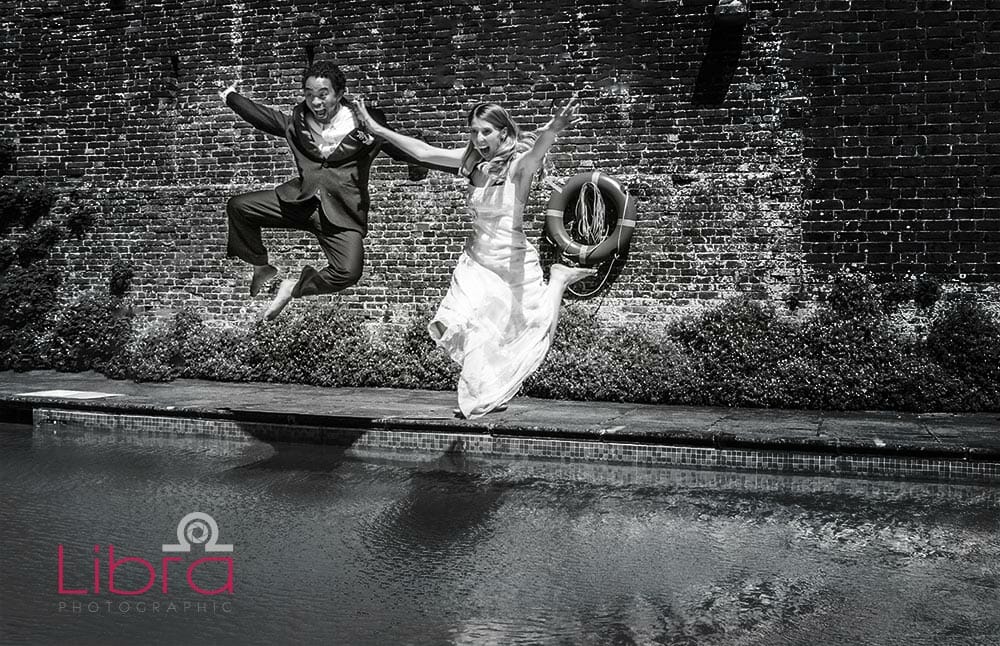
(331, 549)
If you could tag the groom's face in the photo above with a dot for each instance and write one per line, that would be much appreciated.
(320, 97)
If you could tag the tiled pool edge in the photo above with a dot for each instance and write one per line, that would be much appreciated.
(499, 445)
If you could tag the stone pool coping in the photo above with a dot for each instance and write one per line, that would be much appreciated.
(879, 443)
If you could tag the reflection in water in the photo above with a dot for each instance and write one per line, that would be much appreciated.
(290, 457)
(333, 549)
(428, 538)
(441, 509)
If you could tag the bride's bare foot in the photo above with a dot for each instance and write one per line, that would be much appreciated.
(498, 409)
(570, 275)
(262, 274)
(282, 298)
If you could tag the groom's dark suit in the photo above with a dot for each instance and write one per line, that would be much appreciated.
(329, 198)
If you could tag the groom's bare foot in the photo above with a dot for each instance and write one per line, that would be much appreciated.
(262, 275)
(571, 274)
(282, 298)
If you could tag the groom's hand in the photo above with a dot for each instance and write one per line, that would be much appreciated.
(229, 90)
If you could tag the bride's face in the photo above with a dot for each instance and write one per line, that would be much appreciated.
(486, 137)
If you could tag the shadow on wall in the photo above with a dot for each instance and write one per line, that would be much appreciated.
(722, 56)
(608, 272)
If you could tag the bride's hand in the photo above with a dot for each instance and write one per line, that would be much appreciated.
(565, 117)
(366, 119)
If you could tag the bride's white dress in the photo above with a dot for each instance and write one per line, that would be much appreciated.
(496, 318)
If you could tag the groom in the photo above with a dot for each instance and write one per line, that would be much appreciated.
(329, 198)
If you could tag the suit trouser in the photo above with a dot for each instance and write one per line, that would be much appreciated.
(344, 248)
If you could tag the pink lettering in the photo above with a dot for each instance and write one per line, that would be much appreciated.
(163, 570)
(62, 587)
(226, 587)
(114, 565)
(97, 570)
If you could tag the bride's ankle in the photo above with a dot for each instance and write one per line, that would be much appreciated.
(570, 275)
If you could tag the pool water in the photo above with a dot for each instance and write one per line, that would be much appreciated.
(330, 548)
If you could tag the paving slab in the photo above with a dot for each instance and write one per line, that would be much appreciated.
(975, 429)
(677, 422)
(762, 425)
(973, 435)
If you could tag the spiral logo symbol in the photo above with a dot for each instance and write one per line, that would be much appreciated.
(197, 532)
(197, 528)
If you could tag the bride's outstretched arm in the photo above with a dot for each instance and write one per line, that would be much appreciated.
(419, 150)
(546, 136)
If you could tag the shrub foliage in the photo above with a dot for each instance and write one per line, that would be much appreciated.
(23, 202)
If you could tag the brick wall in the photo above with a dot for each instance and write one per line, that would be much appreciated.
(902, 136)
(822, 134)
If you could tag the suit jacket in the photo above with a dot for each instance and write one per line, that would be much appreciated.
(339, 181)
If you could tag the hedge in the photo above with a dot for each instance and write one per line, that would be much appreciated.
(845, 354)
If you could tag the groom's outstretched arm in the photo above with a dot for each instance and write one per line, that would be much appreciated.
(261, 117)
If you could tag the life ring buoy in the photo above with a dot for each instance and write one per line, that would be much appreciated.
(616, 242)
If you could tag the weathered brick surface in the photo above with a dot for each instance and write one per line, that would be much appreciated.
(901, 135)
(822, 134)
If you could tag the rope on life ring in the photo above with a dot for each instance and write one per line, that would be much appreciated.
(589, 226)
(615, 243)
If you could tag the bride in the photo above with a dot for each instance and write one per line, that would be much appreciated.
(499, 315)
